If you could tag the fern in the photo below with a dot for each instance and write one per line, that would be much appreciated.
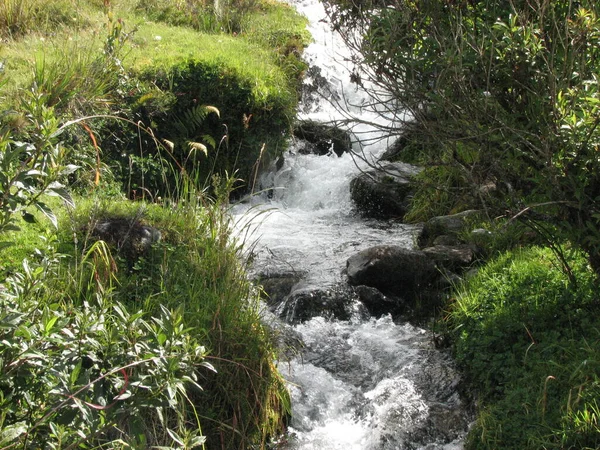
(193, 119)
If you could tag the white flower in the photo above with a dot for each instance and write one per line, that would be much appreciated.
(157, 38)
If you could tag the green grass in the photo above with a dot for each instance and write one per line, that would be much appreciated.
(93, 315)
(196, 276)
(276, 22)
(125, 56)
(159, 47)
(529, 341)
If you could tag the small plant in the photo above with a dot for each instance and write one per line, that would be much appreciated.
(29, 170)
(78, 368)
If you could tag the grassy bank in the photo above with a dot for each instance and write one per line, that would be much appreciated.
(529, 341)
(131, 324)
(156, 64)
(111, 342)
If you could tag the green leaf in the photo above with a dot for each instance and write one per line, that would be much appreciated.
(50, 324)
(28, 217)
(12, 432)
(45, 209)
(58, 190)
(75, 373)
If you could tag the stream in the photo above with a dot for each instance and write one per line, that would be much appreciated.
(357, 382)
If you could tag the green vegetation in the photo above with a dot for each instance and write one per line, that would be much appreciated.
(503, 103)
(529, 340)
(132, 324)
(104, 342)
(154, 67)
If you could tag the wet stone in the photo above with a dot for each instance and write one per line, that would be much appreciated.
(303, 304)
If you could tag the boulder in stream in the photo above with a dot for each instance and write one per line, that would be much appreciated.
(277, 285)
(322, 139)
(379, 304)
(385, 191)
(303, 304)
(392, 269)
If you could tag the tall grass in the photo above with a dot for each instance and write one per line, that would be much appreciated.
(197, 269)
(19, 17)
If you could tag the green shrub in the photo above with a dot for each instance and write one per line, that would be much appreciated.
(78, 368)
(528, 340)
(515, 81)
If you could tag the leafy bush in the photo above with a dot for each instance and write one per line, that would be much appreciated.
(512, 83)
(79, 368)
(528, 340)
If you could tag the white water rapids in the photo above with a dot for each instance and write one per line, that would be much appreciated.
(363, 383)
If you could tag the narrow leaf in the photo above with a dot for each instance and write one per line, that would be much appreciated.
(47, 212)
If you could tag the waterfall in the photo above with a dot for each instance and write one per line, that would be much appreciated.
(363, 382)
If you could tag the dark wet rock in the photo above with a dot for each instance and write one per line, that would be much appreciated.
(446, 239)
(384, 192)
(394, 151)
(129, 236)
(451, 257)
(276, 286)
(322, 139)
(377, 303)
(413, 140)
(450, 225)
(287, 340)
(315, 87)
(391, 269)
(305, 303)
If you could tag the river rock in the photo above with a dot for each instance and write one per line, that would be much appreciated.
(322, 139)
(305, 303)
(379, 304)
(450, 225)
(451, 257)
(384, 192)
(446, 239)
(392, 269)
(276, 286)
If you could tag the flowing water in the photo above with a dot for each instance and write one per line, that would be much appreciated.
(361, 383)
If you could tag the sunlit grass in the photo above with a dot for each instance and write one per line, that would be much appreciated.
(529, 341)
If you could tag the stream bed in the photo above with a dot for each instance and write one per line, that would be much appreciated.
(364, 383)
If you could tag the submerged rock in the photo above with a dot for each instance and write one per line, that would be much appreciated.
(384, 192)
(379, 304)
(276, 286)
